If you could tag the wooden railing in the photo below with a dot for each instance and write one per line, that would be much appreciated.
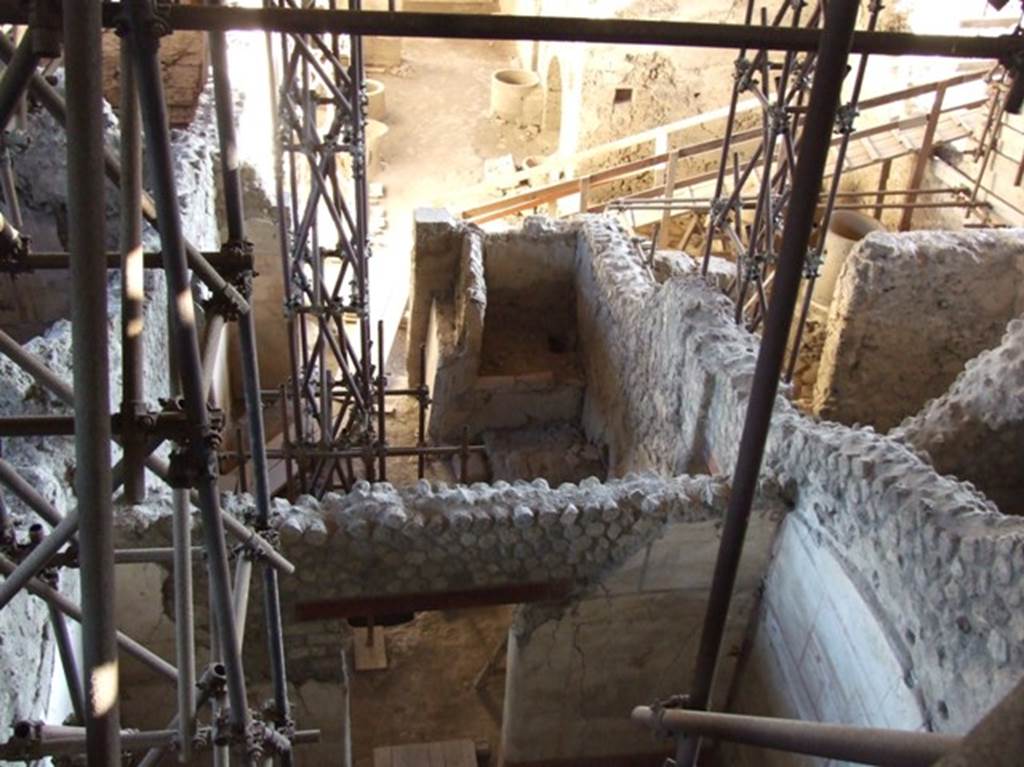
(666, 161)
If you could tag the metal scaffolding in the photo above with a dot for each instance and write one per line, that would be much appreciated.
(337, 393)
(325, 252)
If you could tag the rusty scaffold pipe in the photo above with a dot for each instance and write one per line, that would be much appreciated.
(864, 745)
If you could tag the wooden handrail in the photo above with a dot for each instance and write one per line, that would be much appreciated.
(920, 90)
(558, 163)
(551, 192)
(548, 194)
(571, 186)
(911, 122)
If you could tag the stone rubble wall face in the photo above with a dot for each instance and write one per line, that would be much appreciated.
(668, 372)
(941, 567)
(27, 658)
(377, 541)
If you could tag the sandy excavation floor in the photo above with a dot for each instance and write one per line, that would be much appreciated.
(439, 137)
(427, 693)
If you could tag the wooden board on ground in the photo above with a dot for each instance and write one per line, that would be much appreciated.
(448, 753)
(370, 652)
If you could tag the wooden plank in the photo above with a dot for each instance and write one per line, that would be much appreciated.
(415, 755)
(883, 185)
(436, 755)
(459, 753)
(382, 757)
(670, 185)
(584, 193)
(870, 147)
(749, 105)
(370, 650)
(891, 140)
(923, 156)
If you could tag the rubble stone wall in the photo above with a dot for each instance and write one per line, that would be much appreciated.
(378, 541)
(667, 372)
(34, 685)
(939, 567)
(909, 311)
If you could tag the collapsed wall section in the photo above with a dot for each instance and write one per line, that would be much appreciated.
(909, 310)
(976, 429)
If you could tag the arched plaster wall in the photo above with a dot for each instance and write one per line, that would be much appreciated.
(820, 653)
(567, 63)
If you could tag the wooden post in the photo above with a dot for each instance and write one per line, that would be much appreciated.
(584, 194)
(923, 156)
(883, 182)
(690, 230)
(670, 188)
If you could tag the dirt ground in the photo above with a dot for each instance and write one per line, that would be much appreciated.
(427, 692)
(439, 136)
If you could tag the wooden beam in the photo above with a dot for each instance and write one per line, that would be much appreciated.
(921, 164)
(393, 604)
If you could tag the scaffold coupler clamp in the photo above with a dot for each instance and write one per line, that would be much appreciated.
(250, 550)
(812, 264)
(188, 464)
(213, 681)
(221, 731)
(754, 265)
(160, 21)
(239, 253)
(743, 74)
(156, 18)
(232, 299)
(13, 248)
(659, 707)
(188, 468)
(719, 207)
(779, 118)
(846, 117)
(1014, 63)
(283, 724)
(265, 739)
